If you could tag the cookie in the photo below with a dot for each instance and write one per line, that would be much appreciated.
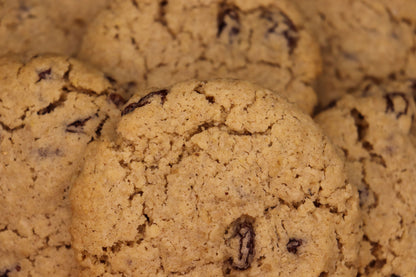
(50, 109)
(373, 134)
(158, 43)
(32, 27)
(217, 178)
(361, 40)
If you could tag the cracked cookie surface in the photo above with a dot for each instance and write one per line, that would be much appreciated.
(217, 178)
(361, 39)
(157, 43)
(373, 133)
(50, 109)
(32, 27)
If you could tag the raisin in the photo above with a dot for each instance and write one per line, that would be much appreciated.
(394, 275)
(117, 99)
(146, 100)
(293, 245)
(43, 75)
(361, 124)
(390, 106)
(100, 126)
(228, 18)
(268, 16)
(77, 126)
(291, 34)
(242, 241)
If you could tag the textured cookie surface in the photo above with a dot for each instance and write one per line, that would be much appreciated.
(372, 132)
(218, 178)
(32, 27)
(50, 109)
(361, 39)
(158, 43)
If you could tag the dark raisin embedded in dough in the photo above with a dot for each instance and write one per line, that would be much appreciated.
(210, 99)
(269, 16)
(394, 275)
(289, 30)
(241, 240)
(293, 245)
(361, 124)
(100, 126)
(77, 126)
(5, 274)
(45, 74)
(117, 99)
(291, 34)
(390, 105)
(377, 263)
(146, 100)
(228, 19)
(363, 196)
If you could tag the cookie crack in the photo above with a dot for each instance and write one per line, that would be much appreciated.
(52, 106)
(9, 129)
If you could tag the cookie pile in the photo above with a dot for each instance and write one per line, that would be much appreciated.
(207, 138)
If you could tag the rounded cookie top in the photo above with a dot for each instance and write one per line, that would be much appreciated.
(361, 39)
(158, 43)
(50, 109)
(32, 27)
(373, 134)
(214, 178)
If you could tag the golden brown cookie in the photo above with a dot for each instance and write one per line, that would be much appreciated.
(361, 40)
(50, 109)
(373, 133)
(158, 43)
(217, 178)
(32, 27)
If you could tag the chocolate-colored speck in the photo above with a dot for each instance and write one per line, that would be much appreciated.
(5, 274)
(18, 268)
(46, 74)
(146, 100)
(394, 275)
(293, 244)
(210, 99)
